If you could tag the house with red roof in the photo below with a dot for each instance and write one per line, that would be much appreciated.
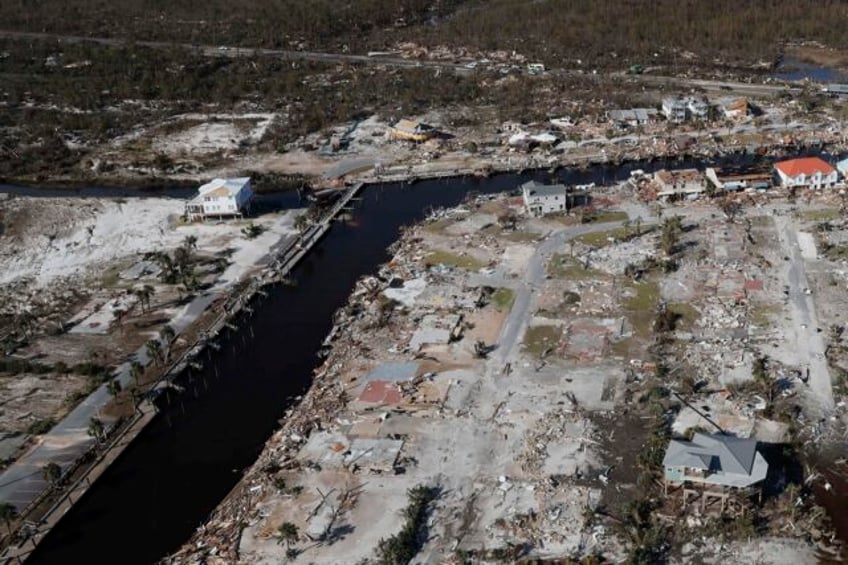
(807, 172)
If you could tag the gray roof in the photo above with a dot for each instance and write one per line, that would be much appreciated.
(717, 453)
(633, 114)
(393, 372)
(538, 189)
(840, 88)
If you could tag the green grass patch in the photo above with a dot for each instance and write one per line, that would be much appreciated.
(823, 215)
(439, 226)
(453, 260)
(608, 216)
(642, 306)
(603, 238)
(761, 315)
(562, 266)
(520, 236)
(503, 298)
(517, 236)
(688, 315)
(538, 339)
(762, 221)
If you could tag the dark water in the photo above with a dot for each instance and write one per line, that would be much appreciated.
(183, 464)
(790, 69)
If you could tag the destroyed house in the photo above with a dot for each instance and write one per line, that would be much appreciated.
(810, 172)
(632, 117)
(409, 130)
(541, 199)
(685, 183)
(220, 198)
(733, 181)
(715, 460)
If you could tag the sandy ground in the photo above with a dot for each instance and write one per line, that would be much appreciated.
(519, 444)
(73, 238)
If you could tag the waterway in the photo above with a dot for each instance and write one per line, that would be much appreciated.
(181, 466)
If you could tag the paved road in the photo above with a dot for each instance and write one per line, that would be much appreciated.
(400, 62)
(534, 276)
(22, 482)
(805, 338)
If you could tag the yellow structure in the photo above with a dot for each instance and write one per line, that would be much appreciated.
(409, 130)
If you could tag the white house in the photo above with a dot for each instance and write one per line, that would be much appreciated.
(842, 167)
(698, 108)
(541, 199)
(678, 109)
(685, 183)
(810, 172)
(220, 197)
(674, 109)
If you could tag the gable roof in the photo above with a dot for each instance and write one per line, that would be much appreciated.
(533, 188)
(223, 187)
(806, 166)
(718, 452)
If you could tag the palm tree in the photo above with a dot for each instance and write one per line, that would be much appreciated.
(96, 428)
(120, 314)
(136, 370)
(52, 473)
(190, 242)
(287, 533)
(153, 349)
(144, 293)
(8, 513)
(114, 387)
(167, 334)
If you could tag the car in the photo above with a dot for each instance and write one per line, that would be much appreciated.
(725, 87)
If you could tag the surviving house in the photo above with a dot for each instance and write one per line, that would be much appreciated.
(678, 109)
(541, 199)
(697, 108)
(809, 172)
(674, 109)
(409, 130)
(714, 460)
(220, 198)
(685, 183)
(842, 167)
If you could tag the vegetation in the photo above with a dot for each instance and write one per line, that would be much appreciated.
(503, 298)
(566, 267)
(8, 513)
(287, 533)
(40, 427)
(603, 32)
(539, 340)
(52, 473)
(252, 231)
(453, 260)
(403, 546)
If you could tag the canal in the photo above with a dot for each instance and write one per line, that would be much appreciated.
(181, 466)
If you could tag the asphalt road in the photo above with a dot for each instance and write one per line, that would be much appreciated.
(805, 337)
(534, 276)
